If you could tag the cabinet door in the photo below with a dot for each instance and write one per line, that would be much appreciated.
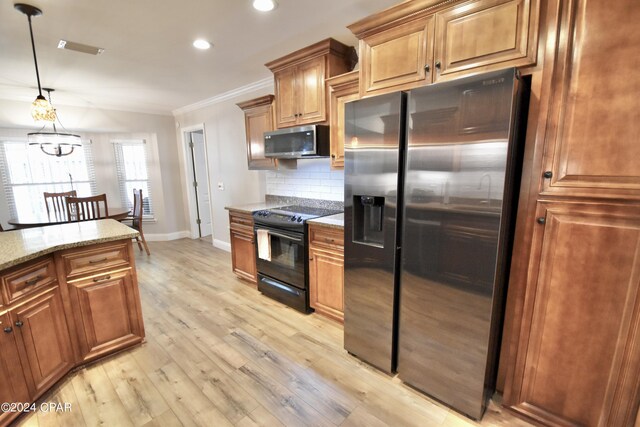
(326, 282)
(286, 104)
(13, 385)
(243, 255)
(341, 89)
(106, 313)
(498, 33)
(43, 341)
(312, 100)
(398, 58)
(578, 359)
(258, 120)
(592, 142)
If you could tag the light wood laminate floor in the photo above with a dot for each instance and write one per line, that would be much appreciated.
(218, 353)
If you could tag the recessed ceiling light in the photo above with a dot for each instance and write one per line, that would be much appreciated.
(264, 5)
(201, 44)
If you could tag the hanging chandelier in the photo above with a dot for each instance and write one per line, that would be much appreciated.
(40, 109)
(54, 143)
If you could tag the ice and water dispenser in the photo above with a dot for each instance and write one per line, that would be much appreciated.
(368, 220)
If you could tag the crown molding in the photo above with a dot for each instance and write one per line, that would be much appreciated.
(251, 87)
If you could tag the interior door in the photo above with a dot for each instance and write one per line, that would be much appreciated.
(201, 188)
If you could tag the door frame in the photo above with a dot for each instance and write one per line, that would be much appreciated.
(188, 174)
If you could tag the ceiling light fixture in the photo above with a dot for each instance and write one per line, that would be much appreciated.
(201, 44)
(264, 5)
(54, 143)
(41, 110)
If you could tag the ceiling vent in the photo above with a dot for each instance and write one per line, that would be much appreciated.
(79, 47)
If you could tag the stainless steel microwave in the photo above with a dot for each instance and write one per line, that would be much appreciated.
(301, 142)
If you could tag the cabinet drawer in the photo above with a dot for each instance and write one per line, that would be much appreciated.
(325, 236)
(87, 262)
(242, 223)
(26, 280)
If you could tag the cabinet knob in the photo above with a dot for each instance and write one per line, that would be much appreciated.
(19, 324)
(541, 220)
(311, 259)
(427, 68)
(438, 64)
(333, 156)
(547, 174)
(8, 330)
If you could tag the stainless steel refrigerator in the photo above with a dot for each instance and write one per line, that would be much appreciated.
(429, 182)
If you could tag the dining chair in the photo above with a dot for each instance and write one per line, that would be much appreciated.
(136, 220)
(87, 208)
(57, 203)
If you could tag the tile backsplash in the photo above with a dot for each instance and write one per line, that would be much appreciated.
(313, 179)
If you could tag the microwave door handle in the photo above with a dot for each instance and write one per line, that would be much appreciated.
(284, 236)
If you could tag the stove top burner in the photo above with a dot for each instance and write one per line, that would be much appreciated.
(291, 217)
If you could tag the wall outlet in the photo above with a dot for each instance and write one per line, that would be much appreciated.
(221, 186)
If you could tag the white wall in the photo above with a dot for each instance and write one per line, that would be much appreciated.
(227, 158)
(101, 126)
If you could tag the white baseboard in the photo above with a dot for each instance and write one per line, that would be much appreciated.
(168, 236)
(225, 246)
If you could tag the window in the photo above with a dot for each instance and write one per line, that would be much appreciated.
(27, 173)
(131, 165)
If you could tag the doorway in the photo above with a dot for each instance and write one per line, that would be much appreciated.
(198, 184)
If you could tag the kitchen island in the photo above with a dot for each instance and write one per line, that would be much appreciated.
(69, 295)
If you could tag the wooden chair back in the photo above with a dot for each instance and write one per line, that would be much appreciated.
(87, 208)
(57, 203)
(136, 214)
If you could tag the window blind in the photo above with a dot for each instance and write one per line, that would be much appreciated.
(132, 171)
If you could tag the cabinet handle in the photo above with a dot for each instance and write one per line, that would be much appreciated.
(548, 174)
(33, 281)
(8, 330)
(98, 261)
(19, 324)
(438, 64)
(328, 240)
(427, 68)
(102, 279)
(541, 220)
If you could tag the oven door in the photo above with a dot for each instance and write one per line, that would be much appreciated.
(287, 256)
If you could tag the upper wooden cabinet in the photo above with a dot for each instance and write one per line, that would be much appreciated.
(422, 41)
(341, 89)
(592, 147)
(258, 119)
(398, 58)
(300, 81)
(485, 33)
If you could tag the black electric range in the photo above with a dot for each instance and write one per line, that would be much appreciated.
(282, 253)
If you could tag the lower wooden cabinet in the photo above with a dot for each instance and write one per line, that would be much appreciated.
(13, 384)
(50, 324)
(106, 313)
(577, 358)
(43, 339)
(326, 271)
(243, 246)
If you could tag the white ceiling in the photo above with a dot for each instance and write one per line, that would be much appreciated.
(149, 64)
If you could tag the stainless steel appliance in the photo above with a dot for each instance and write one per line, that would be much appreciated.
(301, 142)
(428, 184)
(284, 276)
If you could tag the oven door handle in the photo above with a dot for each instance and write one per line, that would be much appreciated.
(279, 286)
(284, 236)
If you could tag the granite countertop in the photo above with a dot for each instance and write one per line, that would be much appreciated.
(253, 207)
(18, 246)
(331, 221)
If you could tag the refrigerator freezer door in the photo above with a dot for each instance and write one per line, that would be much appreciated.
(457, 162)
(373, 131)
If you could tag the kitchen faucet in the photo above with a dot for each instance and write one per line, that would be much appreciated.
(488, 200)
